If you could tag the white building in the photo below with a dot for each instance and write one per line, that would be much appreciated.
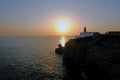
(87, 34)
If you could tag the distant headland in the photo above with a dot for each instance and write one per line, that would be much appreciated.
(93, 56)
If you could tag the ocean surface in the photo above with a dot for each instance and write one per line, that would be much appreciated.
(31, 58)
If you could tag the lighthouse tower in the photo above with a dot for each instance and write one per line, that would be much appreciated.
(87, 34)
(85, 30)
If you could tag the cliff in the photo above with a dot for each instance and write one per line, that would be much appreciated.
(93, 58)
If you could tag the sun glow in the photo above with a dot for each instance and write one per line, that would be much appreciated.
(62, 26)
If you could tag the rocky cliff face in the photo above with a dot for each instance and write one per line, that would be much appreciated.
(95, 57)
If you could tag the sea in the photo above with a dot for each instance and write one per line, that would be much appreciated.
(31, 58)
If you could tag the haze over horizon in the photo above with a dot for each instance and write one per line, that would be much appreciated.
(38, 17)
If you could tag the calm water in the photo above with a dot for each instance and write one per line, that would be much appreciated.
(30, 58)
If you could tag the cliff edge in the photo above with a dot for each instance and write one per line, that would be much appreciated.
(93, 58)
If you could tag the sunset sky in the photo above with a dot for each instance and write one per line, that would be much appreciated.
(44, 17)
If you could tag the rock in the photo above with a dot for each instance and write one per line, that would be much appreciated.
(101, 56)
(59, 50)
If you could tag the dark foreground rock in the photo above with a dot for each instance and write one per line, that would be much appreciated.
(93, 58)
(59, 50)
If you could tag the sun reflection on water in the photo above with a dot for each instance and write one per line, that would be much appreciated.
(63, 41)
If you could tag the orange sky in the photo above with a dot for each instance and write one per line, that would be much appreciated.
(37, 29)
(35, 32)
(38, 17)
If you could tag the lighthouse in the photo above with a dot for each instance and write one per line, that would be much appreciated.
(86, 34)
(85, 30)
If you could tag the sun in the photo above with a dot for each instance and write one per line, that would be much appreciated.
(62, 26)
